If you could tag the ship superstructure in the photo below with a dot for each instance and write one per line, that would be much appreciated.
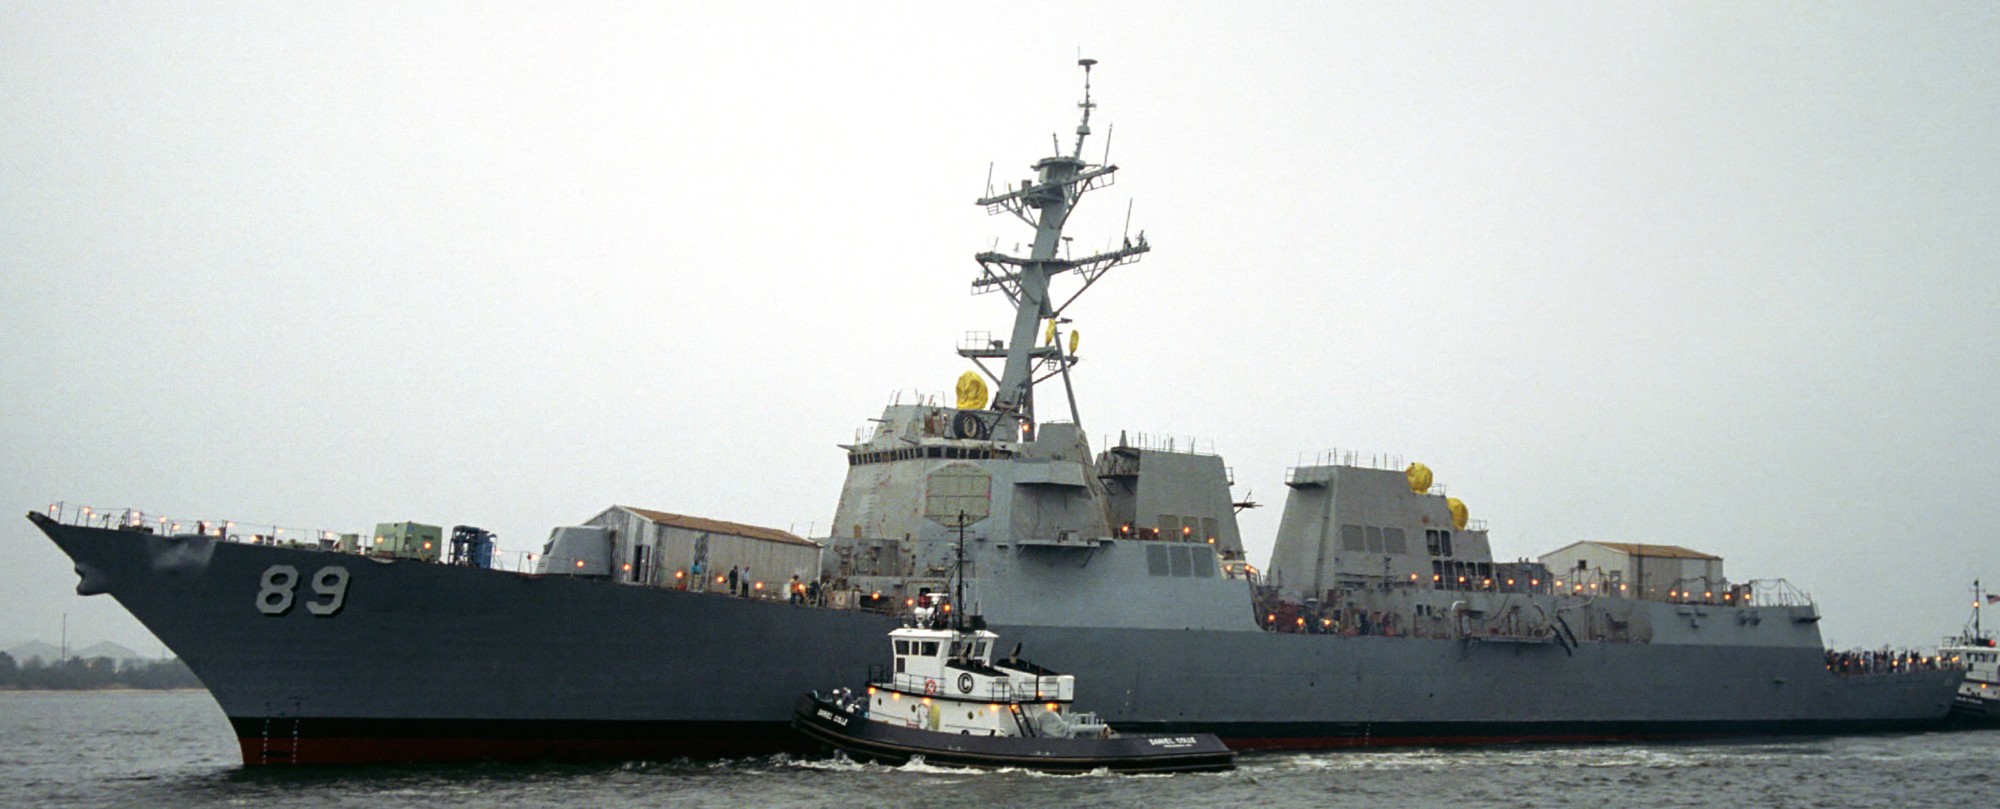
(1383, 619)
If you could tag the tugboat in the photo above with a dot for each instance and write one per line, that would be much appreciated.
(1978, 698)
(945, 698)
(948, 701)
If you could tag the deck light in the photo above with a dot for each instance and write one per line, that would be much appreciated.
(579, 563)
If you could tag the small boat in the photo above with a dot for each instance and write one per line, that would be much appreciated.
(1978, 698)
(947, 700)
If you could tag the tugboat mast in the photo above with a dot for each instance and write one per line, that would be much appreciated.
(1044, 203)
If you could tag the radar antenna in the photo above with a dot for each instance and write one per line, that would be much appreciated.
(1083, 128)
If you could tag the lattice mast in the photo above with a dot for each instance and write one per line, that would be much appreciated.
(1044, 203)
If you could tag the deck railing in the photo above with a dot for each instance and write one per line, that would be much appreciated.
(238, 531)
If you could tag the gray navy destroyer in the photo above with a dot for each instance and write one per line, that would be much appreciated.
(1382, 619)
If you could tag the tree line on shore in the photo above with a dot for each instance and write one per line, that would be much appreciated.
(79, 673)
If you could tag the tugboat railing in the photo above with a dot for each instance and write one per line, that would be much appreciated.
(1011, 690)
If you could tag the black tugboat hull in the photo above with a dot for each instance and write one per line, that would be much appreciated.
(865, 740)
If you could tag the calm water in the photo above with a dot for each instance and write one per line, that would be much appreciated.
(172, 749)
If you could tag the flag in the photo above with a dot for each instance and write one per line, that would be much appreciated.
(1993, 599)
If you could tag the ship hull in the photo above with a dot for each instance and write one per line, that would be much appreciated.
(429, 662)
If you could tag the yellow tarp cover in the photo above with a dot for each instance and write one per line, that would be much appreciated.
(971, 391)
(1459, 516)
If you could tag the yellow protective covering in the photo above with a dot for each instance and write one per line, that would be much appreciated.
(1459, 516)
(1049, 337)
(971, 391)
(1420, 478)
(1074, 336)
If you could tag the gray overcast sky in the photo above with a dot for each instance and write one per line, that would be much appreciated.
(1712, 274)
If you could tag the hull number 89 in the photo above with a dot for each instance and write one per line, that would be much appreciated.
(280, 585)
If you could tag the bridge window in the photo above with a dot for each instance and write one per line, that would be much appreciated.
(1351, 538)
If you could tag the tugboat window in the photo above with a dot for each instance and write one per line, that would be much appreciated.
(930, 648)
